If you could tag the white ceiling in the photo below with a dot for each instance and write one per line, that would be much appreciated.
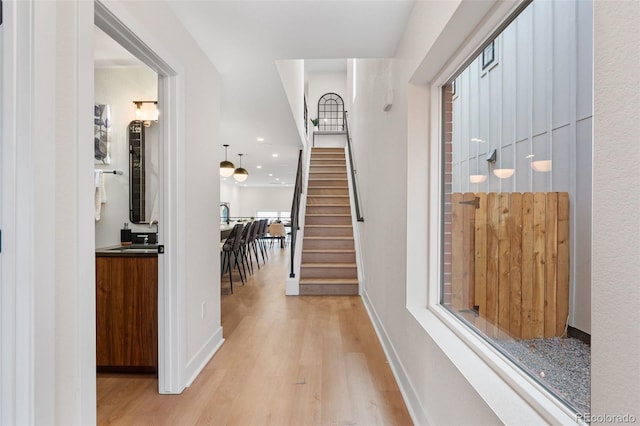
(244, 39)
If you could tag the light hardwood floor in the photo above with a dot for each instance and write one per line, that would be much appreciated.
(307, 360)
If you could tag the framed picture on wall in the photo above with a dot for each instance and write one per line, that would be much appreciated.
(102, 133)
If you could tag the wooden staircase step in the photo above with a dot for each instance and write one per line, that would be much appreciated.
(328, 255)
(328, 230)
(328, 175)
(321, 209)
(313, 182)
(329, 287)
(328, 270)
(327, 199)
(319, 242)
(334, 150)
(329, 265)
(327, 169)
(328, 190)
(329, 281)
(328, 161)
(327, 219)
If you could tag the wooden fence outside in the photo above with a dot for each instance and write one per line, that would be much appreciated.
(510, 260)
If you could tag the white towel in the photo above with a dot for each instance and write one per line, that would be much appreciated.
(100, 192)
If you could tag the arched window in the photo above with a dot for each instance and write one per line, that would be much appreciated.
(331, 113)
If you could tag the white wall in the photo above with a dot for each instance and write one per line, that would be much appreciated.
(230, 193)
(58, 384)
(319, 83)
(615, 338)
(246, 201)
(118, 88)
(200, 111)
(445, 386)
(436, 390)
(292, 77)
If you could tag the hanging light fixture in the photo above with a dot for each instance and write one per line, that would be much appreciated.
(240, 174)
(226, 167)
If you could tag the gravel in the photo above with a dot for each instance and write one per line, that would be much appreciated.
(562, 365)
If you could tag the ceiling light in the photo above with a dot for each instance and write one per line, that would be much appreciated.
(274, 155)
(541, 166)
(504, 173)
(240, 174)
(270, 174)
(258, 166)
(226, 167)
(260, 139)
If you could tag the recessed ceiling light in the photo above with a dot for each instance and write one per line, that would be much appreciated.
(260, 139)
(258, 166)
(277, 178)
(270, 174)
(274, 155)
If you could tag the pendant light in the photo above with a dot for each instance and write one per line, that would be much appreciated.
(240, 174)
(226, 167)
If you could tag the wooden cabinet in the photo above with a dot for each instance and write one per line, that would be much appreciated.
(127, 313)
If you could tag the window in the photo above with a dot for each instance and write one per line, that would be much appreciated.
(331, 113)
(488, 55)
(516, 210)
(285, 216)
(271, 215)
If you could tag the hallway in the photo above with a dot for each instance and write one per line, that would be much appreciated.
(305, 360)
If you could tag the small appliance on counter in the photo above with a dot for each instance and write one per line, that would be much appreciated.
(125, 235)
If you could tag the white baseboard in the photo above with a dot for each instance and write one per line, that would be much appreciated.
(406, 389)
(204, 355)
(292, 287)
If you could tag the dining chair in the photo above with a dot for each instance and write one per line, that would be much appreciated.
(231, 248)
(278, 231)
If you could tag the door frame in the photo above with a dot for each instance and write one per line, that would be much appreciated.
(123, 28)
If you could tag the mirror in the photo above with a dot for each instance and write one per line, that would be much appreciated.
(143, 171)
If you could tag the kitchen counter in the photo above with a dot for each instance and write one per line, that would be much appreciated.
(134, 250)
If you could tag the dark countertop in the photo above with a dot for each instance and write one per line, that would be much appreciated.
(135, 250)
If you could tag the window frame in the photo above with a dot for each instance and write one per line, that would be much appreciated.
(509, 391)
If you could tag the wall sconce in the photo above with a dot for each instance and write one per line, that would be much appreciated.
(477, 178)
(491, 155)
(146, 110)
(226, 167)
(240, 174)
(541, 166)
(503, 173)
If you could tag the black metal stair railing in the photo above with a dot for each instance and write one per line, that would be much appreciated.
(353, 171)
(295, 213)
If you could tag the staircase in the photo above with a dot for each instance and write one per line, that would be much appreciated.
(328, 252)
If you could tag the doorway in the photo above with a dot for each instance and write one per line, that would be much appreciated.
(169, 312)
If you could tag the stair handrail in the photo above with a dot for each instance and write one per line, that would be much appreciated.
(359, 216)
(295, 213)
